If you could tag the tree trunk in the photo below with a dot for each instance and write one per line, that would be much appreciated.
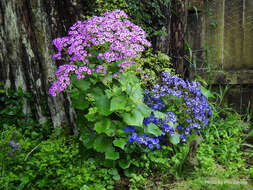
(174, 43)
(27, 28)
(177, 34)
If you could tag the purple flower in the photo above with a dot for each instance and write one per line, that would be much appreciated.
(124, 39)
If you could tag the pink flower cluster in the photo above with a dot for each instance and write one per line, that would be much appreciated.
(110, 38)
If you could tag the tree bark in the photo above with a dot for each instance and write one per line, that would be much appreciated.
(177, 34)
(27, 28)
(174, 43)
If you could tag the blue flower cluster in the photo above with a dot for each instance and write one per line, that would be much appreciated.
(144, 139)
(185, 110)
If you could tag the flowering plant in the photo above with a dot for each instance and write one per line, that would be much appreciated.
(100, 46)
(100, 76)
(178, 108)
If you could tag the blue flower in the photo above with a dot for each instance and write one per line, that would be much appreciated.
(189, 120)
(128, 128)
(150, 146)
(189, 114)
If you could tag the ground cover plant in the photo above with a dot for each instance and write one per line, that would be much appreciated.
(132, 133)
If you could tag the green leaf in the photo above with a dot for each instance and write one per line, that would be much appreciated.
(101, 101)
(111, 155)
(136, 94)
(103, 144)
(172, 124)
(102, 125)
(85, 187)
(106, 126)
(207, 93)
(250, 133)
(118, 103)
(87, 137)
(160, 115)
(116, 177)
(80, 104)
(121, 133)
(91, 116)
(144, 109)
(109, 163)
(153, 129)
(124, 164)
(78, 100)
(175, 139)
(81, 84)
(134, 118)
(120, 143)
(114, 173)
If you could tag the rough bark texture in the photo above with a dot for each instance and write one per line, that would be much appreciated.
(177, 34)
(27, 28)
(174, 43)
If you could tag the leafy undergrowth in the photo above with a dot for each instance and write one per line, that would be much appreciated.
(36, 160)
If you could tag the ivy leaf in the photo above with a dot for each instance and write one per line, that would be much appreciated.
(120, 143)
(153, 129)
(118, 103)
(114, 173)
(175, 139)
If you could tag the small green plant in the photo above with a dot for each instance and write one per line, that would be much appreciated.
(152, 66)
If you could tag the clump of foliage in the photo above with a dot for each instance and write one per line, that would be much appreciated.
(101, 74)
(153, 22)
(152, 66)
(104, 55)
